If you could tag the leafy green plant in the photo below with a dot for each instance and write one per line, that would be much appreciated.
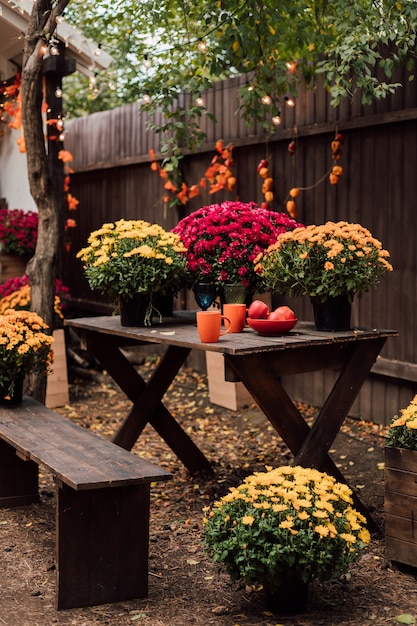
(403, 429)
(129, 257)
(286, 521)
(325, 261)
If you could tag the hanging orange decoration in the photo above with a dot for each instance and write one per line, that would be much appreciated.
(267, 185)
(218, 175)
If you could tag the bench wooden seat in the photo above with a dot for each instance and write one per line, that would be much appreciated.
(103, 497)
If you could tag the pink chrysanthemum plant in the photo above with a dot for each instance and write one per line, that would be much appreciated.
(18, 231)
(222, 241)
(289, 521)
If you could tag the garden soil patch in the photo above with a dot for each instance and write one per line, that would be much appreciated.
(185, 587)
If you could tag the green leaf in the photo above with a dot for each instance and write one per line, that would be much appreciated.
(406, 618)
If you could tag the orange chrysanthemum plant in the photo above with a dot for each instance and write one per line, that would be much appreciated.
(403, 428)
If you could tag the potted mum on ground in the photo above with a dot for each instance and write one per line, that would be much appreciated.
(135, 261)
(18, 235)
(222, 240)
(331, 263)
(25, 347)
(282, 528)
(400, 491)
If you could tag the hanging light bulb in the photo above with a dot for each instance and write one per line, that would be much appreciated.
(61, 136)
(147, 62)
(97, 51)
(146, 98)
(276, 120)
(54, 51)
(59, 19)
(43, 50)
(251, 87)
(202, 46)
(200, 101)
(58, 92)
(290, 101)
(60, 124)
(93, 80)
(291, 67)
(266, 99)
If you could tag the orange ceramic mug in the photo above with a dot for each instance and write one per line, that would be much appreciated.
(237, 316)
(209, 325)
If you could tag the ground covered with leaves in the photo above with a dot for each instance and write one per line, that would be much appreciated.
(185, 587)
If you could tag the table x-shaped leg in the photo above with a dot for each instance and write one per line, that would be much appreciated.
(310, 446)
(146, 399)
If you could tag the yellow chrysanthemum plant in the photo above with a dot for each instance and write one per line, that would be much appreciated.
(328, 260)
(129, 257)
(403, 428)
(25, 347)
(19, 300)
(286, 522)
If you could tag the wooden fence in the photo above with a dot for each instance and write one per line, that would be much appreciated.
(112, 179)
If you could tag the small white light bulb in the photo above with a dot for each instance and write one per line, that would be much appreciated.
(58, 92)
(276, 120)
(266, 99)
(146, 98)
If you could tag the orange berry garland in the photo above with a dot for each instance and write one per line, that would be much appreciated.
(267, 185)
(218, 174)
(337, 170)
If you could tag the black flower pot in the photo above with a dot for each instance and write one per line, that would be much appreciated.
(333, 313)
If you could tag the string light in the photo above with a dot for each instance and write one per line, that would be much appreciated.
(43, 50)
(290, 101)
(266, 99)
(146, 98)
(59, 19)
(61, 137)
(58, 92)
(200, 101)
(93, 80)
(276, 120)
(60, 124)
(147, 62)
(202, 46)
(291, 67)
(54, 51)
(97, 51)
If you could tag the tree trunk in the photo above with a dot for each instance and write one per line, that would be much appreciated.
(44, 186)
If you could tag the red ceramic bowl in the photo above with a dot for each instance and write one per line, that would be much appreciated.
(271, 327)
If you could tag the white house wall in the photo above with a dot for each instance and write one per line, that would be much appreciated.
(14, 185)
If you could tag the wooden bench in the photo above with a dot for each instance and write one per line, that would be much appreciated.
(102, 509)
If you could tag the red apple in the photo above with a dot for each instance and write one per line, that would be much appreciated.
(277, 316)
(285, 312)
(258, 310)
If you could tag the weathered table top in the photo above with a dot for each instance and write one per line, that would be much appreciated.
(175, 332)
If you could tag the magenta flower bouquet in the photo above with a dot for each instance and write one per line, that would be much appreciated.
(222, 241)
(18, 231)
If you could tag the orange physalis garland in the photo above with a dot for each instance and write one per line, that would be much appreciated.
(219, 176)
(72, 203)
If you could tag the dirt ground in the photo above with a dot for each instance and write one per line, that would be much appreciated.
(184, 586)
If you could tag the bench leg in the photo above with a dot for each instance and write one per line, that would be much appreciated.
(102, 545)
(18, 478)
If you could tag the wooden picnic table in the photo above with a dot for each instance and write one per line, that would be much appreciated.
(257, 361)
